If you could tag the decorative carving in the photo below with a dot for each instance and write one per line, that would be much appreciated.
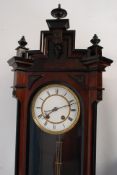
(59, 12)
(95, 49)
(58, 50)
(57, 37)
(22, 42)
(18, 86)
(99, 93)
(14, 92)
(58, 43)
(95, 40)
(21, 49)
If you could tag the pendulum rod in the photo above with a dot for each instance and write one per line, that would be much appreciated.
(58, 161)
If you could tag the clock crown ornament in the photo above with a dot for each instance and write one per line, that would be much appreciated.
(59, 44)
(22, 42)
(21, 49)
(59, 12)
(95, 40)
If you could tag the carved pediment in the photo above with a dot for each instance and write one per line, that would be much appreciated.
(57, 50)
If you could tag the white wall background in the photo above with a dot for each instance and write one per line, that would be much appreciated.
(87, 17)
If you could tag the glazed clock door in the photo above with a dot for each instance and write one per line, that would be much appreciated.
(55, 132)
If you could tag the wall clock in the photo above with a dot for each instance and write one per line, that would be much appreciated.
(57, 89)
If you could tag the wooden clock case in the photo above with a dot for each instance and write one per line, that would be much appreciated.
(58, 61)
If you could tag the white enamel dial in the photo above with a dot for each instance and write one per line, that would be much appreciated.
(55, 109)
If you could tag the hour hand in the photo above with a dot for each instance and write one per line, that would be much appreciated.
(52, 110)
(48, 110)
(47, 115)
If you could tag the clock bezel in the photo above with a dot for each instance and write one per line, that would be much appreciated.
(33, 104)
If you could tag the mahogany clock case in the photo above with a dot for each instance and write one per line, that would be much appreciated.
(41, 147)
(57, 62)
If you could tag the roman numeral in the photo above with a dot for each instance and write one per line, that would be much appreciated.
(69, 118)
(42, 99)
(38, 107)
(48, 93)
(73, 109)
(57, 91)
(39, 116)
(65, 94)
(54, 126)
(63, 125)
(45, 122)
(71, 101)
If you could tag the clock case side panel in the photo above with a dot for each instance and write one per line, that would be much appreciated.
(82, 122)
(92, 96)
(89, 165)
(17, 138)
(94, 136)
(20, 92)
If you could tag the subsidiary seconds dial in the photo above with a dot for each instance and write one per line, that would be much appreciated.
(55, 109)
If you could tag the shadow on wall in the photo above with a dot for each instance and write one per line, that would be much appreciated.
(108, 141)
(111, 169)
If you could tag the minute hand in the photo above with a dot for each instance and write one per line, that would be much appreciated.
(65, 106)
(56, 108)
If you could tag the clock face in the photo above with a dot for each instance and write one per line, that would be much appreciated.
(55, 109)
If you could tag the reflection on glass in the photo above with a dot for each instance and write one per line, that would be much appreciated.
(54, 154)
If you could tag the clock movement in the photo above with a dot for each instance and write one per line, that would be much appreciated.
(57, 89)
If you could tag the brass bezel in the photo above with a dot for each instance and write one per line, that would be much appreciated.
(35, 118)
